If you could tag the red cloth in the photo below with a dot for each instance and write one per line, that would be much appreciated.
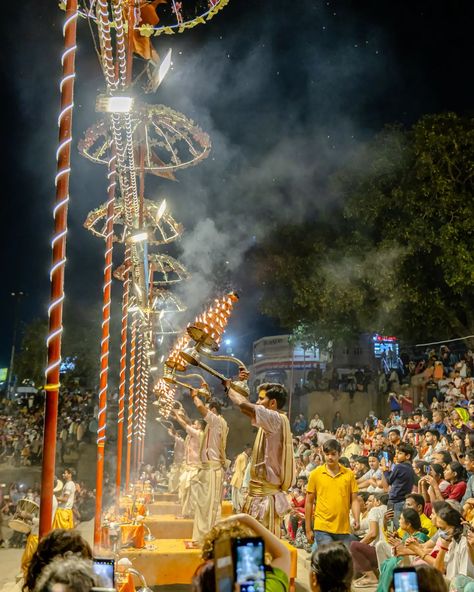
(455, 492)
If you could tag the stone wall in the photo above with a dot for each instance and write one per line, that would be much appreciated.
(327, 403)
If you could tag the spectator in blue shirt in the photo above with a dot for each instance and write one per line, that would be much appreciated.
(438, 423)
(400, 479)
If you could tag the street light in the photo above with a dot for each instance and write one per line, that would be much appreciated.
(17, 296)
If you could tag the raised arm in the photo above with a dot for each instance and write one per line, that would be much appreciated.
(203, 410)
(245, 406)
(180, 419)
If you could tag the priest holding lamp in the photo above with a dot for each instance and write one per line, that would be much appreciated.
(272, 468)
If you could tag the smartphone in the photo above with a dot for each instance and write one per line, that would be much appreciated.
(249, 565)
(104, 568)
(385, 456)
(405, 579)
(426, 469)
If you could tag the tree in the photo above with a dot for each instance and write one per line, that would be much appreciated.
(31, 360)
(396, 255)
(80, 343)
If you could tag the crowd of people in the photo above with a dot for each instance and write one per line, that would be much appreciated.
(21, 426)
(366, 499)
(396, 491)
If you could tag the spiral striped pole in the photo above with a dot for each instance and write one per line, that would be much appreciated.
(58, 244)
(138, 402)
(145, 404)
(104, 345)
(130, 409)
(123, 373)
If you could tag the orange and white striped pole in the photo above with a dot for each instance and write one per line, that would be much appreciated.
(104, 346)
(123, 373)
(58, 244)
(130, 406)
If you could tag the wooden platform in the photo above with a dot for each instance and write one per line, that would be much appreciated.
(167, 526)
(163, 508)
(166, 497)
(165, 562)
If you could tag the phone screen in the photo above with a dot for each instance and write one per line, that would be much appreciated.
(385, 455)
(249, 564)
(405, 580)
(105, 568)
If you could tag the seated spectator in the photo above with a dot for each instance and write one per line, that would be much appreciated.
(411, 525)
(432, 444)
(300, 425)
(438, 422)
(316, 423)
(351, 446)
(243, 525)
(362, 498)
(454, 557)
(331, 569)
(295, 519)
(417, 503)
(58, 543)
(363, 551)
(68, 575)
(455, 474)
(469, 466)
(370, 479)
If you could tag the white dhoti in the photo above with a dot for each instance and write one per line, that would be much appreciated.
(187, 480)
(173, 478)
(207, 497)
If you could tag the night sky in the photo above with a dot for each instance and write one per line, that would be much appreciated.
(287, 91)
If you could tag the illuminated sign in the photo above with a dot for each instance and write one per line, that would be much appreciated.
(3, 374)
(385, 346)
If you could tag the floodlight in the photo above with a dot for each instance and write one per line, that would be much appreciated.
(161, 71)
(138, 237)
(115, 104)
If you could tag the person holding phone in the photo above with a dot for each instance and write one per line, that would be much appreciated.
(241, 526)
(455, 557)
(400, 480)
(422, 578)
(56, 543)
(411, 525)
(68, 574)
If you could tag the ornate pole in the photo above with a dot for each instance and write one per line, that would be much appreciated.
(130, 410)
(104, 346)
(138, 402)
(58, 244)
(123, 372)
(145, 403)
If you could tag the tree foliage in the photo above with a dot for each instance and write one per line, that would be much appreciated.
(80, 342)
(396, 255)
